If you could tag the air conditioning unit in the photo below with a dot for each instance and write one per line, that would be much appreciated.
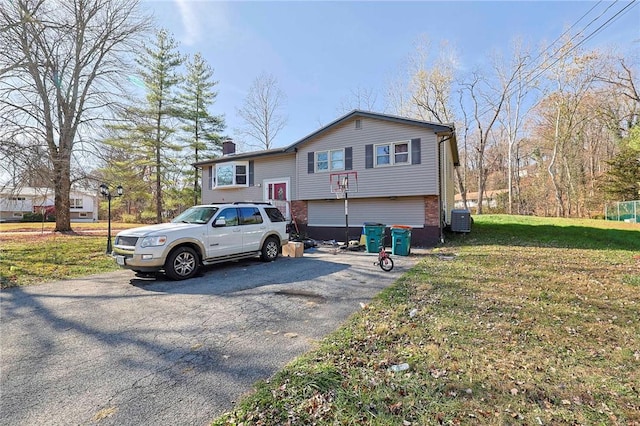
(460, 220)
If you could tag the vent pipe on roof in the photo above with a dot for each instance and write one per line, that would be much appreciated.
(228, 147)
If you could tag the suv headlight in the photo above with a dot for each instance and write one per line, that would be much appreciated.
(153, 241)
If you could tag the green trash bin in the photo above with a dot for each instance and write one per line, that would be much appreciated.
(374, 233)
(401, 236)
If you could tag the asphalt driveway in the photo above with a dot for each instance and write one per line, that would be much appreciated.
(113, 349)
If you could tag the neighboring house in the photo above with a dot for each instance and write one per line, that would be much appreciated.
(490, 199)
(403, 167)
(15, 202)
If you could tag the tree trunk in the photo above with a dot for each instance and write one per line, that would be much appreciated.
(158, 186)
(481, 180)
(462, 189)
(196, 128)
(159, 162)
(552, 168)
(62, 188)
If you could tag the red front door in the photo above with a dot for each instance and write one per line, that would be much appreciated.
(278, 191)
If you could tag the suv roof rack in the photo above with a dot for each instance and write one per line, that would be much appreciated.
(264, 203)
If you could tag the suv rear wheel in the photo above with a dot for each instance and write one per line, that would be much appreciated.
(182, 264)
(270, 250)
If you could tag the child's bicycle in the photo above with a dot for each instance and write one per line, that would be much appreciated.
(384, 260)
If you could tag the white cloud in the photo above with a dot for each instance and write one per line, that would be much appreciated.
(190, 22)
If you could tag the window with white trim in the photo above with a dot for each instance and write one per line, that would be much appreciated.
(390, 154)
(231, 175)
(330, 160)
(75, 203)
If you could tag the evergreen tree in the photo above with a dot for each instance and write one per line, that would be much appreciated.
(622, 181)
(151, 133)
(201, 129)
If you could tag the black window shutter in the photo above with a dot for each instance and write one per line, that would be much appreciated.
(251, 173)
(348, 158)
(311, 162)
(415, 151)
(368, 156)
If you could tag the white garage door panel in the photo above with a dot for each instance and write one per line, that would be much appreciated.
(404, 211)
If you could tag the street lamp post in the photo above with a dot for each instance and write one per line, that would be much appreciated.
(106, 193)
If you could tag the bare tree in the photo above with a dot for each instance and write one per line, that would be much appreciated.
(62, 65)
(428, 94)
(431, 91)
(397, 98)
(517, 83)
(261, 112)
(623, 77)
(431, 82)
(358, 98)
(571, 81)
(487, 102)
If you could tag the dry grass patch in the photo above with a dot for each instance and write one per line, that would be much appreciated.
(528, 324)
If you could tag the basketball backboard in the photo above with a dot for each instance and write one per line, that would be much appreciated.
(343, 182)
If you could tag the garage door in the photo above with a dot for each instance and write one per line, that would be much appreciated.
(401, 211)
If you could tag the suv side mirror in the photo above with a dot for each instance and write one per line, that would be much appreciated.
(221, 222)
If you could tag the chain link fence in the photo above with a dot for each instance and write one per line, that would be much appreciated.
(624, 211)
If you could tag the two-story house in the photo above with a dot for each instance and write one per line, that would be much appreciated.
(398, 170)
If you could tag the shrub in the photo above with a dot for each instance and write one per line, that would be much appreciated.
(148, 216)
(37, 217)
(129, 218)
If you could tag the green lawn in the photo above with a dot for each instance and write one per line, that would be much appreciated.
(524, 321)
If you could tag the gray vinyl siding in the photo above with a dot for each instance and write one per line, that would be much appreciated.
(401, 211)
(263, 168)
(400, 180)
(276, 168)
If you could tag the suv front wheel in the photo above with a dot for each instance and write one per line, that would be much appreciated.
(270, 249)
(182, 264)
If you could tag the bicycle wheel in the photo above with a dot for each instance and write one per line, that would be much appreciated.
(386, 263)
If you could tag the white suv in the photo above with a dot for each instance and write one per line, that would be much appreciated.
(203, 235)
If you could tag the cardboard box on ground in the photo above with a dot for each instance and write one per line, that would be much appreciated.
(293, 249)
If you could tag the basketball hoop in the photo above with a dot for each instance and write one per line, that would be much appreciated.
(343, 182)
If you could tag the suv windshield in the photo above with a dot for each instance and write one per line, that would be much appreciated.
(200, 214)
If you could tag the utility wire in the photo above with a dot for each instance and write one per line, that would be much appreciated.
(615, 17)
(535, 60)
(531, 77)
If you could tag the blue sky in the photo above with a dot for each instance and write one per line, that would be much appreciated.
(321, 51)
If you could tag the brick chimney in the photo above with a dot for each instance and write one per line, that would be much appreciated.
(228, 147)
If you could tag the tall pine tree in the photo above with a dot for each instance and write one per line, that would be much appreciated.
(201, 129)
(159, 65)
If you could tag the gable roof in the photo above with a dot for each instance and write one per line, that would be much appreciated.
(243, 156)
(445, 130)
